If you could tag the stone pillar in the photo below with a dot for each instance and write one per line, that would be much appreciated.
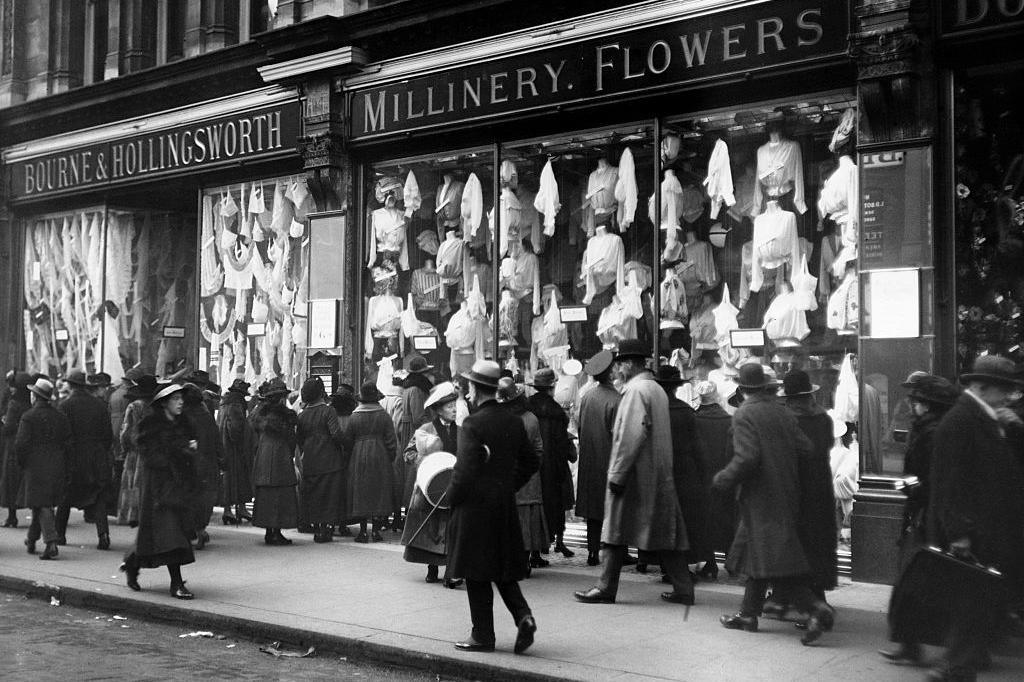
(112, 66)
(194, 43)
(10, 283)
(328, 169)
(13, 76)
(138, 31)
(220, 23)
(67, 45)
(288, 13)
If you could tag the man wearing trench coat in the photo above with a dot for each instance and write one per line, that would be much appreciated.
(485, 542)
(641, 507)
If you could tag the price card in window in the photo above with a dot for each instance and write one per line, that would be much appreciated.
(257, 329)
(174, 332)
(61, 334)
(424, 342)
(573, 313)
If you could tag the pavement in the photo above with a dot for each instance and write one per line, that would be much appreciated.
(365, 602)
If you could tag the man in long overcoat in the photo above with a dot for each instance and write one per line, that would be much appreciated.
(238, 440)
(209, 454)
(597, 419)
(485, 542)
(641, 507)
(767, 448)
(976, 505)
(555, 477)
(89, 458)
(714, 433)
(41, 447)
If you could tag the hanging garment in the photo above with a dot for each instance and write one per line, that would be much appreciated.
(847, 401)
(282, 213)
(840, 198)
(386, 375)
(460, 336)
(508, 319)
(257, 206)
(718, 183)
(383, 319)
(547, 201)
(411, 195)
(387, 235)
(785, 319)
(844, 306)
(702, 328)
(472, 207)
(615, 325)
(724, 317)
(120, 233)
(427, 241)
(511, 220)
(599, 200)
(529, 219)
(830, 247)
(298, 194)
(521, 275)
(671, 208)
(845, 464)
(804, 285)
(426, 289)
(780, 168)
(547, 332)
(673, 302)
(695, 266)
(775, 243)
(626, 190)
(211, 277)
(448, 204)
(603, 264)
(449, 259)
(744, 189)
(482, 273)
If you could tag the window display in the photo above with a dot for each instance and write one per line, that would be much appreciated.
(102, 288)
(254, 260)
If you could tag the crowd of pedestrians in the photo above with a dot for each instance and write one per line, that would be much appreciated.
(662, 471)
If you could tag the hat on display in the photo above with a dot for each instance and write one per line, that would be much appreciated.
(707, 391)
(166, 391)
(100, 380)
(484, 373)
(544, 378)
(76, 377)
(797, 382)
(427, 241)
(508, 389)
(933, 389)
(993, 369)
(312, 390)
(753, 375)
(632, 348)
(385, 185)
(572, 367)
(274, 388)
(445, 392)
(839, 427)
(42, 388)
(717, 234)
(599, 363)
(418, 365)
(668, 375)
(369, 393)
(240, 386)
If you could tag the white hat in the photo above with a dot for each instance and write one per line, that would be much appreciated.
(440, 394)
(166, 392)
(572, 367)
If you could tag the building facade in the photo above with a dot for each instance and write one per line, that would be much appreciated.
(279, 188)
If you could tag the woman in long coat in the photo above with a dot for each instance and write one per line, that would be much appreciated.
(555, 476)
(44, 437)
(423, 537)
(370, 438)
(128, 496)
(321, 442)
(276, 505)
(168, 487)
(10, 476)
(415, 388)
(714, 433)
(209, 458)
(239, 442)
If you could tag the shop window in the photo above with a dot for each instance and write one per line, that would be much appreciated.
(989, 214)
(108, 289)
(428, 282)
(254, 261)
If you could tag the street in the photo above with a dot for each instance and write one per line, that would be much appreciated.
(39, 641)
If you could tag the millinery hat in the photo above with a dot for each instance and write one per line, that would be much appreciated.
(166, 391)
(42, 388)
(385, 185)
(933, 389)
(755, 375)
(797, 382)
(544, 378)
(913, 378)
(994, 369)
(100, 379)
(508, 389)
(76, 377)
(418, 365)
(240, 386)
(707, 391)
(312, 389)
(484, 373)
(445, 392)
(273, 388)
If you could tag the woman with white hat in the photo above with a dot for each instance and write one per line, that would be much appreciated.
(168, 486)
(424, 538)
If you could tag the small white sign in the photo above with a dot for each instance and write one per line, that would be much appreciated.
(62, 334)
(894, 304)
(748, 338)
(424, 342)
(174, 332)
(323, 323)
(256, 329)
(573, 313)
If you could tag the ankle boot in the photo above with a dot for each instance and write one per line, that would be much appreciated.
(50, 552)
(132, 576)
(104, 541)
(12, 519)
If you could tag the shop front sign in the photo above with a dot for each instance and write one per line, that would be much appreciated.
(959, 16)
(226, 139)
(691, 49)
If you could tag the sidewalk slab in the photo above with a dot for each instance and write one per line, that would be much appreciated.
(365, 602)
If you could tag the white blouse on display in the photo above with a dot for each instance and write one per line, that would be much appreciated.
(775, 242)
(840, 196)
(449, 258)
(383, 319)
(785, 319)
(472, 207)
(603, 263)
(599, 200)
(448, 204)
(388, 226)
(718, 183)
(780, 168)
(411, 195)
(626, 190)
(547, 201)
(673, 301)
(521, 275)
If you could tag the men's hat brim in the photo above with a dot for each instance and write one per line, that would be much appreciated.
(994, 378)
(482, 380)
(814, 389)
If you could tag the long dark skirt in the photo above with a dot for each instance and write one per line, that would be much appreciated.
(176, 557)
(10, 479)
(275, 507)
(535, 527)
(321, 497)
(428, 545)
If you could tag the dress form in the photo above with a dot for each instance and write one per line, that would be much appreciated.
(599, 203)
(603, 263)
(383, 325)
(387, 237)
(780, 169)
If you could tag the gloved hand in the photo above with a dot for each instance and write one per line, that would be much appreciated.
(616, 488)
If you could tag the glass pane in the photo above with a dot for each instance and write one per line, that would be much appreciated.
(428, 283)
(254, 261)
(576, 247)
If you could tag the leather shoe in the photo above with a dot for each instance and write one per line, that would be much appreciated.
(678, 598)
(566, 552)
(181, 592)
(738, 621)
(539, 562)
(593, 559)
(30, 546)
(62, 541)
(432, 575)
(818, 624)
(132, 575)
(527, 626)
(904, 654)
(50, 552)
(595, 595)
(630, 560)
(453, 583)
(11, 522)
(362, 538)
(104, 541)
(473, 645)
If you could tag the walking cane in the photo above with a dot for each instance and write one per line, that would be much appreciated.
(431, 513)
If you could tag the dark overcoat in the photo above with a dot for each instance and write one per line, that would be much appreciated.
(90, 458)
(209, 457)
(275, 447)
(238, 439)
(688, 473)
(370, 438)
(41, 446)
(714, 433)
(495, 459)
(321, 442)
(555, 476)
(976, 488)
(168, 487)
(11, 475)
(597, 418)
(817, 521)
(765, 468)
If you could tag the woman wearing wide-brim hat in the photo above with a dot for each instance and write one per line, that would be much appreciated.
(168, 486)
(276, 505)
(370, 438)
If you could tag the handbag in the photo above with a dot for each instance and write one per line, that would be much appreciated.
(937, 586)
